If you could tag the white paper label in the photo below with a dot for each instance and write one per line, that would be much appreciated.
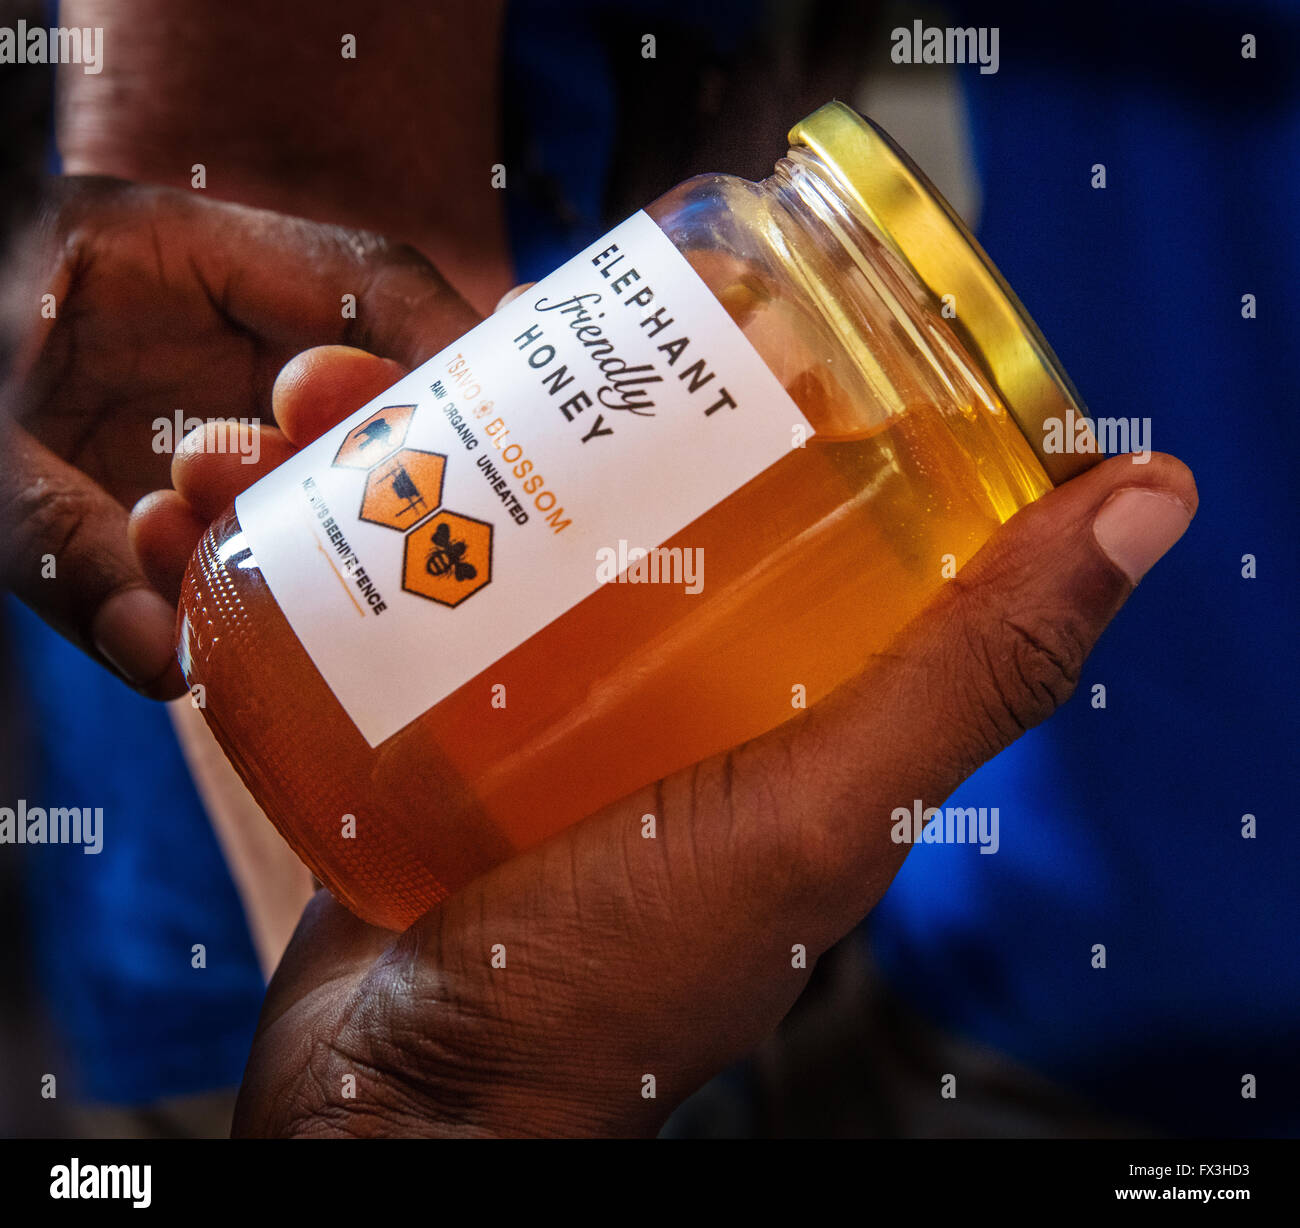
(471, 503)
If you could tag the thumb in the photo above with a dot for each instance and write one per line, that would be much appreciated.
(1000, 649)
(64, 552)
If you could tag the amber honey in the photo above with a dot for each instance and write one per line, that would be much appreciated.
(809, 568)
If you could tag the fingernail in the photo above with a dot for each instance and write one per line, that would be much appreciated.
(135, 632)
(510, 295)
(1136, 527)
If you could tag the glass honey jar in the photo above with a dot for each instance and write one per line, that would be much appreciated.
(654, 506)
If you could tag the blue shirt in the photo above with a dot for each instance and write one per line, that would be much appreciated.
(113, 932)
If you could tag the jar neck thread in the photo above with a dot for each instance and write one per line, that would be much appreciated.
(875, 277)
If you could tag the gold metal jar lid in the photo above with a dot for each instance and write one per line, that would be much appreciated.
(922, 229)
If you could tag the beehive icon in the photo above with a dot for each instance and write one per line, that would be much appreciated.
(404, 489)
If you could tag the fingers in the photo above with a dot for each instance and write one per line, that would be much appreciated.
(285, 283)
(164, 532)
(210, 467)
(298, 283)
(219, 460)
(314, 390)
(322, 386)
(289, 283)
(215, 463)
(64, 551)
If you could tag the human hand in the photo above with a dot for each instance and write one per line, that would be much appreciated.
(628, 957)
(166, 302)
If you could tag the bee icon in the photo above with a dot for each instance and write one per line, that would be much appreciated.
(446, 556)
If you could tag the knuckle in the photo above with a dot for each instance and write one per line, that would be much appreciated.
(40, 517)
(404, 257)
(409, 305)
(779, 847)
(378, 256)
(1032, 664)
(84, 207)
(810, 859)
(1046, 661)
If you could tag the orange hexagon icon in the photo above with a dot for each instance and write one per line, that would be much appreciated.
(375, 439)
(448, 558)
(403, 490)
